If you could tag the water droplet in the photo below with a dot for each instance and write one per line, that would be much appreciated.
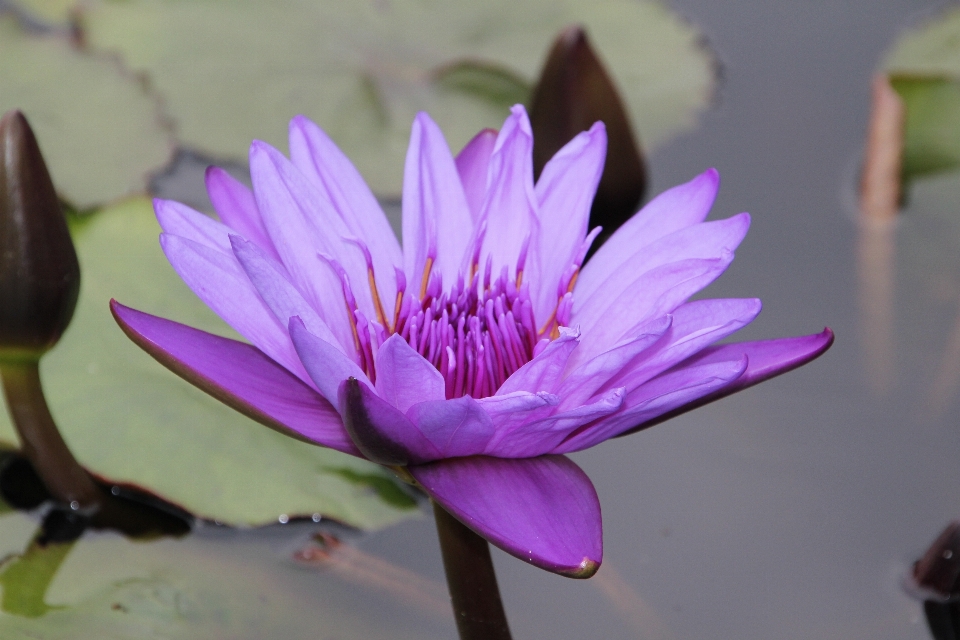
(317, 517)
(284, 518)
(74, 505)
(115, 490)
(947, 554)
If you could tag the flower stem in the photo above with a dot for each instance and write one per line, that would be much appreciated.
(40, 439)
(471, 580)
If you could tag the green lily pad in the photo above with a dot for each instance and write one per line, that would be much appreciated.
(932, 128)
(233, 70)
(99, 130)
(107, 587)
(127, 418)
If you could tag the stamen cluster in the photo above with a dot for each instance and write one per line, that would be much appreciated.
(476, 335)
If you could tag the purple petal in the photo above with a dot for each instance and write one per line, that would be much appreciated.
(674, 209)
(180, 220)
(404, 377)
(695, 326)
(544, 435)
(658, 397)
(544, 371)
(565, 193)
(302, 224)
(458, 427)
(237, 208)
(316, 155)
(238, 375)
(382, 433)
(767, 359)
(473, 163)
(324, 362)
(542, 510)
(436, 217)
(510, 207)
(219, 280)
(283, 299)
(655, 293)
(598, 373)
(703, 241)
(515, 409)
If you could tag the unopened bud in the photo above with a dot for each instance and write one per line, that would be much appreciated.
(39, 272)
(573, 92)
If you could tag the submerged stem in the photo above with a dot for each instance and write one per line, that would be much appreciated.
(41, 441)
(471, 579)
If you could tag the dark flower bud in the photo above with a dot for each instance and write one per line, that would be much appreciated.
(39, 272)
(573, 92)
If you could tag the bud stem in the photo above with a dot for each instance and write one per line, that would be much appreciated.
(471, 579)
(41, 442)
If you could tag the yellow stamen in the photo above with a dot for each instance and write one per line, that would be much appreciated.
(353, 327)
(396, 314)
(381, 316)
(426, 276)
(519, 278)
(573, 281)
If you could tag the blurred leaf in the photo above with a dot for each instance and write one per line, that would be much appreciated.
(25, 578)
(488, 82)
(234, 70)
(53, 13)
(200, 587)
(932, 129)
(931, 48)
(127, 418)
(99, 131)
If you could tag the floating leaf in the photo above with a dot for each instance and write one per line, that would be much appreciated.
(128, 419)
(110, 588)
(99, 131)
(924, 68)
(932, 129)
(235, 70)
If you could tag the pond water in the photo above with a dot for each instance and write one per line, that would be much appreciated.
(791, 510)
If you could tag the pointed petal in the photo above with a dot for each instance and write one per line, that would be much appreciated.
(473, 163)
(382, 433)
(235, 205)
(544, 371)
(674, 209)
(658, 397)
(324, 362)
(219, 280)
(315, 154)
(655, 293)
(520, 407)
(458, 427)
(544, 435)
(436, 217)
(238, 375)
(510, 207)
(542, 510)
(565, 193)
(302, 224)
(599, 372)
(279, 294)
(404, 377)
(180, 220)
(696, 325)
(767, 359)
(706, 240)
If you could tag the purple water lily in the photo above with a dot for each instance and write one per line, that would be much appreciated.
(482, 350)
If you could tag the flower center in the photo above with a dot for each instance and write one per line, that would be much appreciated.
(476, 335)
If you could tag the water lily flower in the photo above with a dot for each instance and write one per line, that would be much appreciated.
(476, 354)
